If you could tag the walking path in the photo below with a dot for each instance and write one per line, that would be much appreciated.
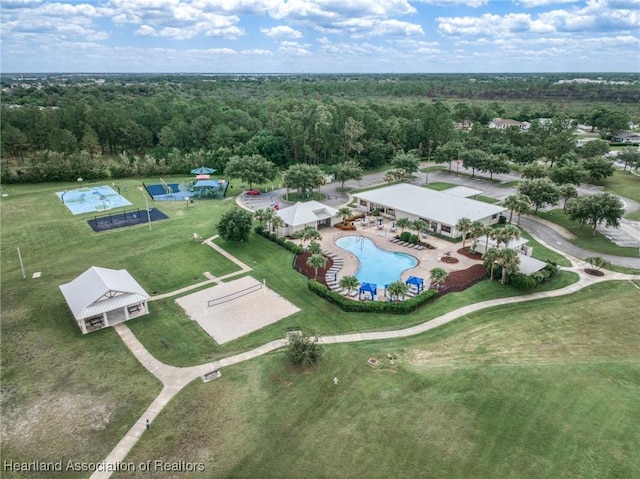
(174, 379)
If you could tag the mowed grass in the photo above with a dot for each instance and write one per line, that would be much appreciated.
(548, 391)
(584, 237)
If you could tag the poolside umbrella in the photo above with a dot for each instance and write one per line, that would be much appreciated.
(417, 282)
(203, 170)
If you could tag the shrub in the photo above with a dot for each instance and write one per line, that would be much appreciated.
(302, 351)
(350, 306)
(524, 281)
(290, 245)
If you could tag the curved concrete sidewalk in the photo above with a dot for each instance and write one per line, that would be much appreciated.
(174, 379)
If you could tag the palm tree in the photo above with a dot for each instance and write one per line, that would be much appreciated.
(597, 262)
(344, 213)
(507, 234)
(349, 283)
(314, 248)
(568, 191)
(316, 261)
(508, 259)
(510, 202)
(438, 276)
(478, 229)
(276, 223)
(418, 225)
(310, 233)
(489, 260)
(397, 290)
(523, 207)
(403, 223)
(464, 226)
(491, 234)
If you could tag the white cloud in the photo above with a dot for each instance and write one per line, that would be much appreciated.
(542, 3)
(281, 31)
(146, 30)
(452, 3)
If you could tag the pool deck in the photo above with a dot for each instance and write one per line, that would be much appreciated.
(427, 258)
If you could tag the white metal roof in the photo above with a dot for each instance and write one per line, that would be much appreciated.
(430, 204)
(100, 290)
(462, 191)
(530, 265)
(307, 212)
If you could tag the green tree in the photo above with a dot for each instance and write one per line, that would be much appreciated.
(406, 161)
(348, 170)
(316, 261)
(418, 225)
(303, 178)
(351, 133)
(464, 226)
(403, 223)
(309, 233)
(509, 261)
(438, 277)
(510, 202)
(570, 172)
(235, 225)
(596, 209)
(252, 169)
(594, 148)
(314, 248)
(568, 191)
(630, 157)
(489, 260)
(344, 213)
(506, 234)
(541, 192)
(473, 159)
(449, 152)
(478, 228)
(534, 170)
(495, 164)
(599, 168)
(302, 351)
(597, 262)
(522, 207)
(397, 290)
(349, 283)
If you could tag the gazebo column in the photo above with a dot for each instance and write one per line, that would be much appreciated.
(126, 313)
(105, 319)
(83, 325)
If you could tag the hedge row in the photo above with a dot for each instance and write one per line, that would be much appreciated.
(290, 245)
(351, 306)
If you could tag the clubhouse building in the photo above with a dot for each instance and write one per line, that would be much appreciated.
(439, 209)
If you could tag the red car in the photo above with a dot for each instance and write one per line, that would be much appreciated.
(253, 192)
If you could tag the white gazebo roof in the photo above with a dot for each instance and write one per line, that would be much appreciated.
(430, 204)
(305, 213)
(100, 290)
(529, 265)
(462, 191)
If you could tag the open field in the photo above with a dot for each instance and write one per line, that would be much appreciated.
(71, 397)
(509, 392)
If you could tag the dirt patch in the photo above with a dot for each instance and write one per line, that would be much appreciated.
(309, 272)
(594, 272)
(449, 260)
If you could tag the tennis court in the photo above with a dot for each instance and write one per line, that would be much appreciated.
(234, 309)
(92, 199)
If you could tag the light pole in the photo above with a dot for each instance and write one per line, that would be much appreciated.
(146, 202)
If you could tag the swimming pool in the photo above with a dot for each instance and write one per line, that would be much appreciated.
(377, 266)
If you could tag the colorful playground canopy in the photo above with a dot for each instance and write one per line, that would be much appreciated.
(203, 170)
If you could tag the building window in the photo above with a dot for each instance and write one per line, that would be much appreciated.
(494, 216)
(445, 229)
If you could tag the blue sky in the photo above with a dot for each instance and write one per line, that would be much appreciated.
(321, 36)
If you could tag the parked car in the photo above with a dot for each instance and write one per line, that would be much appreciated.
(253, 192)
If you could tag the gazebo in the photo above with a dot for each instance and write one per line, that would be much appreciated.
(415, 281)
(370, 288)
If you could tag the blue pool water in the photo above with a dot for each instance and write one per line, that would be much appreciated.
(377, 266)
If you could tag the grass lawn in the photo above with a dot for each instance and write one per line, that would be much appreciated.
(542, 253)
(296, 196)
(624, 184)
(584, 237)
(517, 391)
(439, 186)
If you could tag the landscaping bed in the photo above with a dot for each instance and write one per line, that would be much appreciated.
(466, 251)
(300, 264)
(461, 280)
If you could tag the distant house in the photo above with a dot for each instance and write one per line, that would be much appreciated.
(626, 137)
(310, 213)
(464, 125)
(440, 210)
(102, 297)
(528, 265)
(503, 124)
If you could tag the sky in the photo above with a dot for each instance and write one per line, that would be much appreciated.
(320, 36)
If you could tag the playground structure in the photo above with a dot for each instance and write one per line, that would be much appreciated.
(190, 190)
